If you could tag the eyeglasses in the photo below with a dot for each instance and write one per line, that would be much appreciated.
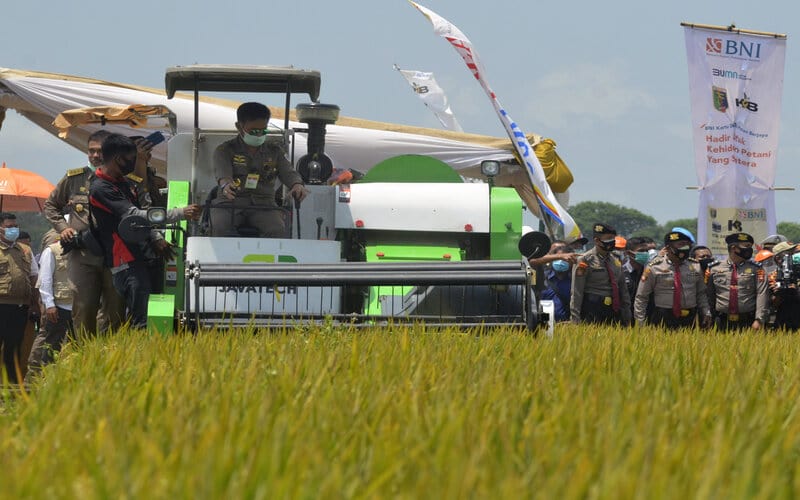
(258, 132)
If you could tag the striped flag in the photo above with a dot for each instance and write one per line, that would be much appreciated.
(551, 210)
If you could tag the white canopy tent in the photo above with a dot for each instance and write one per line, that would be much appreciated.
(351, 143)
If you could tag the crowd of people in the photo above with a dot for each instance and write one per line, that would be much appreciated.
(674, 283)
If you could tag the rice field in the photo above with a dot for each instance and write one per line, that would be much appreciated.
(405, 412)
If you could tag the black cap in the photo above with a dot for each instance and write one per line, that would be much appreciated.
(599, 228)
(676, 236)
(735, 238)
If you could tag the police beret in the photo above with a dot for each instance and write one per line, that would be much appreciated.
(734, 238)
(676, 236)
(600, 228)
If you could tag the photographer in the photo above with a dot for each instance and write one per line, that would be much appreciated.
(112, 198)
(784, 294)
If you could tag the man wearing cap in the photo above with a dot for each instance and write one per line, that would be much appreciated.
(599, 294)
(768, 243)
(677, 286)
(737, 287)
(783, 287)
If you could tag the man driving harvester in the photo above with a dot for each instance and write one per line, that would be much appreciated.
(246, 167)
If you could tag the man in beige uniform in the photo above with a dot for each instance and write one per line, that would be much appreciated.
(246, 168)
(677, 286)
(737, 287)
(599, 294)
(90, 282)
(17, 276)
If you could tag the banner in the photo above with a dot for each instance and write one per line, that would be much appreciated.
(432, 95)
(552, 212)
(735, 87)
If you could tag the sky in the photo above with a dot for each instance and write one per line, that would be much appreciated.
(607, 81)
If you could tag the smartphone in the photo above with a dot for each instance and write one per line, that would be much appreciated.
(155, 138)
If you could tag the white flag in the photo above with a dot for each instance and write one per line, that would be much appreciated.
(550, 208)
(432, 95)
(735, 87)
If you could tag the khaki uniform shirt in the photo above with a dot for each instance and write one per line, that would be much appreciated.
(658, 279)
(15, 274)
(590, 276)
(753, 288)
(255, 173)
(70, 197)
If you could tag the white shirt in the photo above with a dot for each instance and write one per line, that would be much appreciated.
(47, 270)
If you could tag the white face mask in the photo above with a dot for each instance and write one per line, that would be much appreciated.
(254, 140)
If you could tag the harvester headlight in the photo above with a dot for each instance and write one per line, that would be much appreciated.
(157, 215)
(490, 168)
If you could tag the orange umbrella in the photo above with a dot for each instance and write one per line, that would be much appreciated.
(22, 191)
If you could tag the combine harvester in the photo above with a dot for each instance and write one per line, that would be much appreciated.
(410, 241)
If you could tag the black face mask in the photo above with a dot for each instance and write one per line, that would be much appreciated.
(744, 253)
(126, 166)
(705, 262)
(607, 246)
(681, 254)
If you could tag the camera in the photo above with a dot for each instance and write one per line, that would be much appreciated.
(83, 240)
(788, 275)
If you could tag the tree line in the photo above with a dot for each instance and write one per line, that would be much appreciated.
(631, 222)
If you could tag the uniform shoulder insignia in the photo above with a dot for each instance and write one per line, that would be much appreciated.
(134, 178)
(713, 264)
(656, 260)
(75, 171)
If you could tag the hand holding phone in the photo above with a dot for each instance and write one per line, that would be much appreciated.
(155, 138)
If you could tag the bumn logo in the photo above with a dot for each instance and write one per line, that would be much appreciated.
(747, 104)
(720, 97)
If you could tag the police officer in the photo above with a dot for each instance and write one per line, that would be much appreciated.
(246, 168)
(17, 276)
(599, 294)
(677, 286)
(783, 287)
(53, 285)
(90, 282)
(737, 287)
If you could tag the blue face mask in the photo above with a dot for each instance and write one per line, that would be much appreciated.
(560, 266)
(796, 258)
(642, 257)
(11, 233)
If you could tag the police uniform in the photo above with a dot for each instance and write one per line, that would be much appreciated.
(254, 175)
(54, 290)
(90, 282)
(659, 281)
(16, 293)
(750, 286)
(592, 298)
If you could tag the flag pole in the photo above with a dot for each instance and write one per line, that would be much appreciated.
(733, 29)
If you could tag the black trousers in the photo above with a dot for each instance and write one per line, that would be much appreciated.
(13, 319)
(133, 284)
(663, 317)
(744, 320)
(594, 310)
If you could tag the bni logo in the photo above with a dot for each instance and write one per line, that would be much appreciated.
(720, 97)
(733, 48)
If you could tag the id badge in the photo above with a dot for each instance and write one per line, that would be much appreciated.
(252, 181)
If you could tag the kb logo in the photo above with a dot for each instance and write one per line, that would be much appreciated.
(734, 225)
(747, 104)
